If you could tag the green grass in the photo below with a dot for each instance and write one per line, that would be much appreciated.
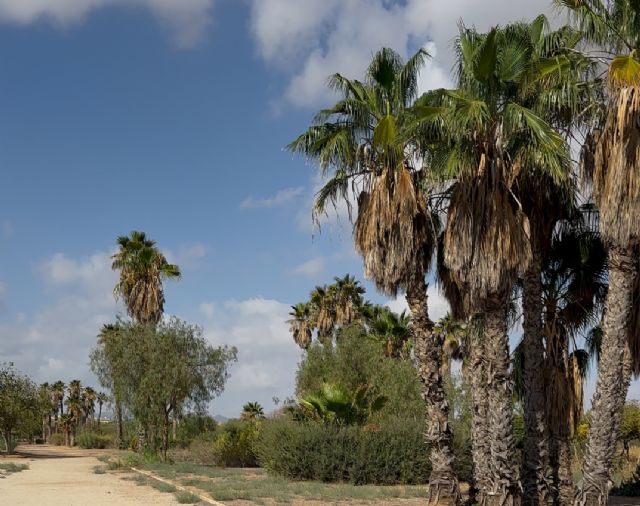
(187, 498)
(257, 486)
(12, 467)
(162, 487)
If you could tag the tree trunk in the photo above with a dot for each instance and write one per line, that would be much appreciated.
(477, 378)
(8, 441)
(504, 486)
(534, 480)
(99, 415)
(119, 431)
(175, 427)
(443, 483)
(608, 399)
(560, 460)
(165, 436)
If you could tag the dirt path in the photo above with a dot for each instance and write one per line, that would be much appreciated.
(64, 477)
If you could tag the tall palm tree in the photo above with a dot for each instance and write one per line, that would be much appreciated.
(301, 324)
(574, 288)
(389, 328)
(74, 414)
(611, 162)
(75, 388)
(57, 393)
(89, 396)
(142, 269)
(368, 144)
(101, 399)
(490, 137)
(322, 302)
(348, 299)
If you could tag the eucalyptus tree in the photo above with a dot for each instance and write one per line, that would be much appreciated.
(491, 136)
(368, 147)
(142, 268)
(611, 162)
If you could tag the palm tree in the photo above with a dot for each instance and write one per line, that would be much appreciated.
(75, 388)
(252, 411)
(89, 397)
(142, 269)
(348, 299)
(324, 312)
(301, 324)
(611, 162)
(452, 333)
(65, 425)
(47, 409)
(574, 287)
(57, 393)
(490, 136)
(101, 398)
(74, 415)
(389, 328)
(368, 142)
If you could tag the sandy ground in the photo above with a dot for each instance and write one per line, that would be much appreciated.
(64, 477)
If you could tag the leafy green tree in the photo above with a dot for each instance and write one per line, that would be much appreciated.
(630, 426)
(20, 405)
(142, 269)
(162, 368)
(369, 142)
(610, 162)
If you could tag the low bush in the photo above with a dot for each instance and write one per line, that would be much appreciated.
(56, 439)
(230, 446)
(387, 454)
(93, 440)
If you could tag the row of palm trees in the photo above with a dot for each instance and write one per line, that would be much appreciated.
(80, 411)
(482, 176)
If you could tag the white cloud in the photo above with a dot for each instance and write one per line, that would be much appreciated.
(54, 342)
(311, 268)
(267, 355)
(207, 309)
(186, 20)
(438, 305)
(281, 198)
(310, 40)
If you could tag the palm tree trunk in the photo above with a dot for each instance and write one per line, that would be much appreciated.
(443, 482)
(560, 459)
(480, 450)
(608, 398)
(534, 459)
(504, 486)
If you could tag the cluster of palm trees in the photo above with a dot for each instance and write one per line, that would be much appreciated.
(80, 410)
(480, 178)
(341, 304)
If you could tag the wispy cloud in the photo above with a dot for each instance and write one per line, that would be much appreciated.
(310, 268)
(279, 199)
(186, 20)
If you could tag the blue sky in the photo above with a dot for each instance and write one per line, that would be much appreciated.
(170, 116)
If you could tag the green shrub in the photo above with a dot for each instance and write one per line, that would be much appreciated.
(392, 453)
(56, 439)
(93, 440)
(187, 498)
(193, 426)
(233, 446)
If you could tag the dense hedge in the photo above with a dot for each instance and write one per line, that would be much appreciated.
(93, 440)
(389, 454)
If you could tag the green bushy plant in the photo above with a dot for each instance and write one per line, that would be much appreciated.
(90, 439)
(56, 439)
(391, 453)
(234, 445)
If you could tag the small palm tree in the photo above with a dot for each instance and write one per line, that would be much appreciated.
(335, 404)
(101, 398)
(65, 425)
(142, 269)
(390, 329)
(252, 411)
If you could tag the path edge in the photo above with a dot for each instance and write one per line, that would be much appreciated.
(179, 487)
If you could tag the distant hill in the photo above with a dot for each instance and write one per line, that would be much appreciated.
(220, 418)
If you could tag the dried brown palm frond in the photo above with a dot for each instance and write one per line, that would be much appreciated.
(575, 379)
(616, 168)
(393, 232)
(486, 241)
(346, 312)
(325, 321)
(450, 285)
